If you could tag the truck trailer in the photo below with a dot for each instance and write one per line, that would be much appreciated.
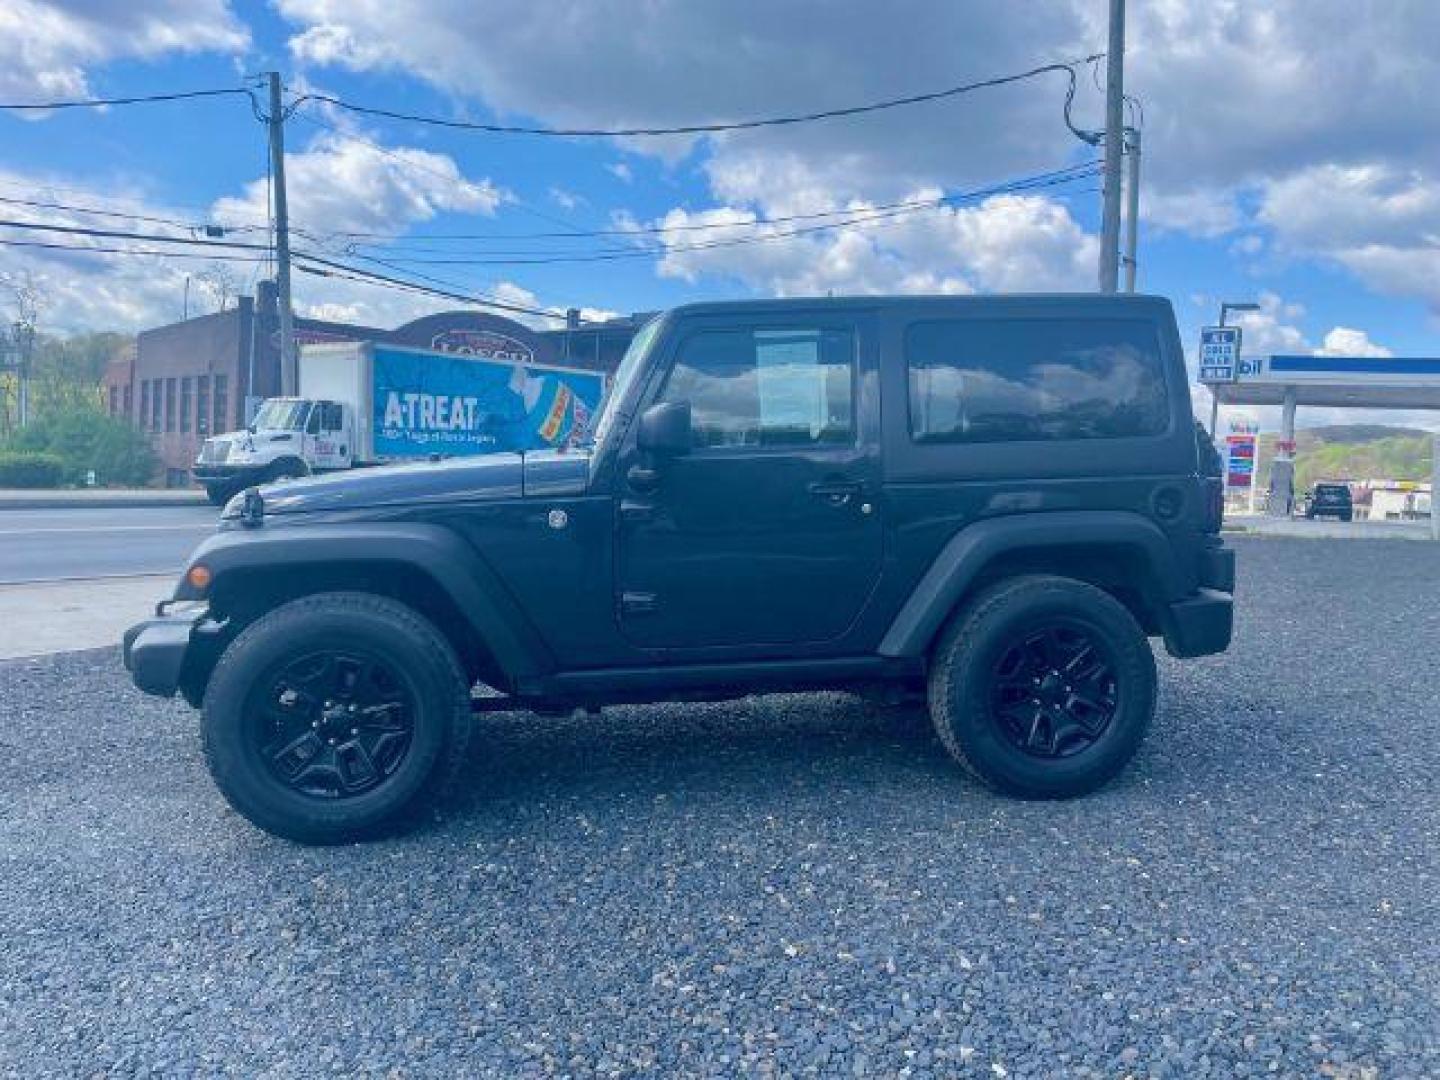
(363, 404)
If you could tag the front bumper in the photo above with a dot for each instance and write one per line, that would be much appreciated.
(214, 473)
(155, 650)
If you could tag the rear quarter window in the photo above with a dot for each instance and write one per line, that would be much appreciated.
(1034, 380)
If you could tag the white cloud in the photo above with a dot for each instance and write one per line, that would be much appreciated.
(1205, 212)
(1272, 329)
(330, 44)
(566, 200)
(1381, 222)
(1246, 104)
(621, 171)
(1343, 341)
(101, 290)
(49, 47)
(1008, 243)
(342, 184)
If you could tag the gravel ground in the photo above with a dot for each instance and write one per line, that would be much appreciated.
(795, 884)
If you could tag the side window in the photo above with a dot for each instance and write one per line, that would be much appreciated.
(789, 387)
(1003, 380)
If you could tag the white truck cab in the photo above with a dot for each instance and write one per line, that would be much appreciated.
(288, 437)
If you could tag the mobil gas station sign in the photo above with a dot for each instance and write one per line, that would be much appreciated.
(1240, 452)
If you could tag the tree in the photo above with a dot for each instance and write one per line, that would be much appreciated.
(66, 372)
(25, 301)
(219, 280)
(88, 440)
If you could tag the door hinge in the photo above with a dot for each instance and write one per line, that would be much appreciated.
(636, 603)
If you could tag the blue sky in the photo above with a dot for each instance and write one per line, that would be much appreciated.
(1292, 151)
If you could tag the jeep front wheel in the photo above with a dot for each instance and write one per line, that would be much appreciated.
(1043, 687)
(335, 717)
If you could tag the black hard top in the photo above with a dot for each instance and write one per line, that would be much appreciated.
(1097, 305)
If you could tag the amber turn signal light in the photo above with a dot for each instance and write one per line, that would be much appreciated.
(198, 576)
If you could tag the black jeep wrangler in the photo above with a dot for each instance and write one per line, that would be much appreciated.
(993, 502)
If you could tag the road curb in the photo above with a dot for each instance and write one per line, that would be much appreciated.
(82, 500)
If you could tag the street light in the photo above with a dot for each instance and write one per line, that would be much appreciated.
(1225, 309)
(1228, 307)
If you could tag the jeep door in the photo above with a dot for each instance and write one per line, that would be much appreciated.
(766, 532)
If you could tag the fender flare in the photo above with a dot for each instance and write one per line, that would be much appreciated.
(433, 550)
(961, 561)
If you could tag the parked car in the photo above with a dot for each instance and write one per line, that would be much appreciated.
(1329, 500)
(992, 501)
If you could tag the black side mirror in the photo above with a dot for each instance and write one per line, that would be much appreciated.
(665, 429)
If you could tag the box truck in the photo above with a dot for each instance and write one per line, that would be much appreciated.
(364, 403)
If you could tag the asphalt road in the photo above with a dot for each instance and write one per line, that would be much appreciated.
(56, 545)
(798, 885)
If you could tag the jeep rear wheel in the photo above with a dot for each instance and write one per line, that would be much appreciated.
(335, 717)
(1043, 687)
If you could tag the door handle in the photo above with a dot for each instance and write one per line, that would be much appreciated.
(835, 492)
(634, 510)
(643, 478)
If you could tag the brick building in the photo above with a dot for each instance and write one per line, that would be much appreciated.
(191, 379)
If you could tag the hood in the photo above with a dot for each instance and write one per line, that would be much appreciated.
(453, 480)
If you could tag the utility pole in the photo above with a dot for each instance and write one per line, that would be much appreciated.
(289, 369)
(1114, 148)
(25, 343)
(1132, 207)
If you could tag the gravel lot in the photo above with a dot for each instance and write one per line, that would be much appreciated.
(794, 885)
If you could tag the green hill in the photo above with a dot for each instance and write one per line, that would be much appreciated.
(1353, 452)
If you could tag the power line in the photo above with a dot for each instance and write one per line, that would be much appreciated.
(95, 211)
(137, 99)
(46, 188)
(858, 218)
(126, 234)
(99, 249)
(1080, 170)
(356, 273)
(700, 129)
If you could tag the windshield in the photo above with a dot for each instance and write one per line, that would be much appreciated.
(631, 365)
(279, 414)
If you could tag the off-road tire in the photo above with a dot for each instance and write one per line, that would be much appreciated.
(381, 626)
(971, 646)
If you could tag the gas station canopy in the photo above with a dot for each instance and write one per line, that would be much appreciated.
(1360, 382)
(1355, 382)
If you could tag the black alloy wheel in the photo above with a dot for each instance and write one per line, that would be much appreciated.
(1042, 686)
(1054, 692)
(332, 724)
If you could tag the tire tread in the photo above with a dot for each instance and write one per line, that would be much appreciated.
(970, 623)
(454, 747)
